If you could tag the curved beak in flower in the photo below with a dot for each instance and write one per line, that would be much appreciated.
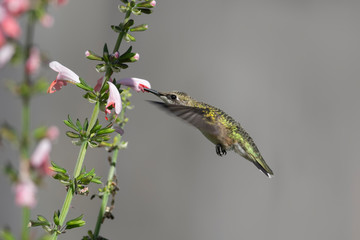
(64, 76)
(137, 84)
(114, 100)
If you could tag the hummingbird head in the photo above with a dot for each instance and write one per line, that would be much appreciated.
(173, 97)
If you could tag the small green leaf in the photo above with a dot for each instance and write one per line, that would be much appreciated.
(61, 176)
(116, 29)
(106, 53)
(57, 168)
(96, 180)
(139, 28)
(56, 217)
(76, 222)
(128, 24)
(72, 134)
(70, 124)
(86, 124)
(78, 124)
(6, 235)
(105, 131)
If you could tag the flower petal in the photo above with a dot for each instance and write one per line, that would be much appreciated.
(25, 193)
(56, 85)
(114, 99)
(137, 84)
(65, 73)
(6, 53)
(41, 153)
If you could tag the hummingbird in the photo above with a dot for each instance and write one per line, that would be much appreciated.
(214, 124)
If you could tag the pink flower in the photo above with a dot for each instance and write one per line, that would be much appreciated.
(52, 133)
(98, 85)
(25, 192)
(64, 76)
(61, 2)
(41, 157)
(114, 100)
(6, 52)
(2, 39)
(10, 26)
(34, 61)
(153, 3)
(47, 20)
(16, 7)
(136, 84)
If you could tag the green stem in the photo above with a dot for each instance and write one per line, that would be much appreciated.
(107, 192)
(79, 163)
(122, 33)
(70, 193)
(24, 146)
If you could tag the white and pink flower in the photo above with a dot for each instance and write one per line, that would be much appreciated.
(114, 100)
(137, 84)
(65, 75)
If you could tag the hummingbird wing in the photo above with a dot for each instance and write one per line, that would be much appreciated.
(193, 115)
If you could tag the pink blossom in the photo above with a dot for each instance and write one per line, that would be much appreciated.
(136, 57)
(52, 133)
(10, 26)
(98, 85)
(6, 52)
(61, 2)
(25, 192)
(136, 84)
(114, 100)
(47, 20)
(2, 39)
(16, 7)
(64, 76)
(40, 158)
(34, 61)
(153, 3)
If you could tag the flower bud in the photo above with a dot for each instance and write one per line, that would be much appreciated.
(92, 56)
(146, 4)
(139, 28)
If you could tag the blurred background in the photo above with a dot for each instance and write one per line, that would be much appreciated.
(288, 71)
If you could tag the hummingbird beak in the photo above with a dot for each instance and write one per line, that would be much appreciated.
(153, 92)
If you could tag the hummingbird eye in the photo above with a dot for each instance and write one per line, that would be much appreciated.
(173, 96)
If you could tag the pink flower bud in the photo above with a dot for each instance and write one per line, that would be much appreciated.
(34, 61)
(10, 26)
(47, 20)
(52, 133)
(40, 158)
(153, 3)
(16, 7)
(25, 193)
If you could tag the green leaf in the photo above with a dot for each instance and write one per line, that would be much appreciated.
(86, 124)
(78, 124)
(106, 53)
(70, 124)
(105, 131)
(76, 222)
(145, 10)
(7, 235)
(139, 28)
(61, 176)
(96, 180)
(57, 168)
(72, 134)
(100, 67)
(128, 24)
(116, 29)
(96, 127)
(56, 217)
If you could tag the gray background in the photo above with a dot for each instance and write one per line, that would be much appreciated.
(287, 70)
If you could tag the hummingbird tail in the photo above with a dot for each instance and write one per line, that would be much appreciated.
(258, 161)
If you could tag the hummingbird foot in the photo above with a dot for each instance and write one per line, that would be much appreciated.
(220, 150)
